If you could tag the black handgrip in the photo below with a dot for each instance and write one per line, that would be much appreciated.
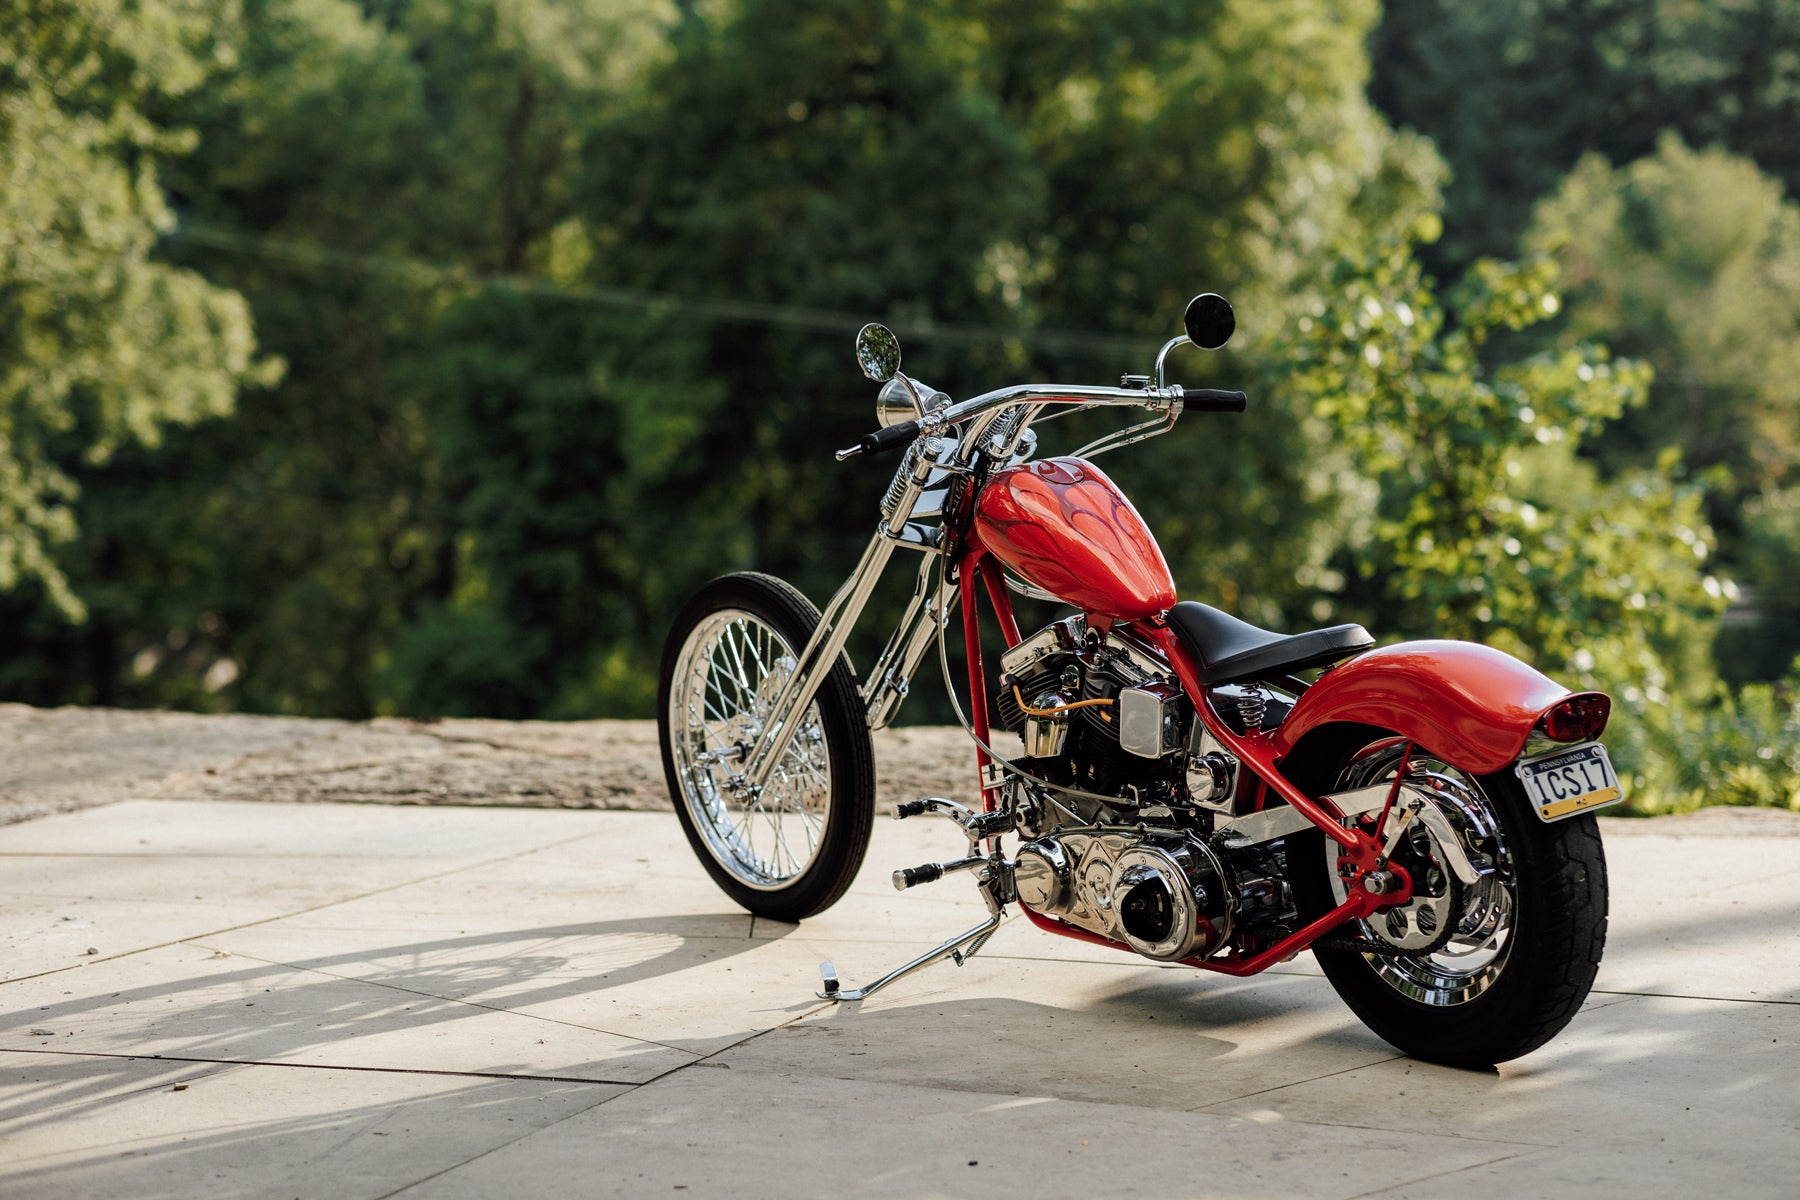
(1213, 400)
(887, 439)
(907, 877)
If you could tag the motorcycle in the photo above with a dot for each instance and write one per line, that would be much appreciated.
(1171, 780)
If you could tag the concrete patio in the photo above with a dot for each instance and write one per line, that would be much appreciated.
(223, 998)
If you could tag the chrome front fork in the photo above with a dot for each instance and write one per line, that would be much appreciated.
(890, 679)
(822, 649)
(840, 617)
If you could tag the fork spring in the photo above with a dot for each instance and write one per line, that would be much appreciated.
(902, 479)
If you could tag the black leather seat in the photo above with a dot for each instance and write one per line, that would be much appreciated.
(1232, 651)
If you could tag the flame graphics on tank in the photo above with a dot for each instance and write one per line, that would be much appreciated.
(1062, 525)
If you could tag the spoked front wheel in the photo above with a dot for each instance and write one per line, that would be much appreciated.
(788, 849)
(1467, 974)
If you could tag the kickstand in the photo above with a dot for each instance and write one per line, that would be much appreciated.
(962, 947)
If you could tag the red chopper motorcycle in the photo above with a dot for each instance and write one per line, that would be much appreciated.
(1180, 783)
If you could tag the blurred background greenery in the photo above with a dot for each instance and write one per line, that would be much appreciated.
(418, 356)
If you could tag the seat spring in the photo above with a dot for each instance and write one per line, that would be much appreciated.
(1252, 706)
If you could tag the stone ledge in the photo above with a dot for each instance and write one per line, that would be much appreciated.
(59, 760)
(62, 759)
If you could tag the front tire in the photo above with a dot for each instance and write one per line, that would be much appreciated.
(1527, 937)
(792, 850)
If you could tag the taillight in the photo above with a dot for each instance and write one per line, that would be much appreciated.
(1580, 718)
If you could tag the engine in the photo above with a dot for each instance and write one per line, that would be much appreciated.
(1095, 716)
(1119, 790)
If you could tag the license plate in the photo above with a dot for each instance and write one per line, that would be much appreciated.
(1565, 782)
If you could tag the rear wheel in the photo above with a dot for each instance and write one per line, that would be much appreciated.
(1467, 975)
(791, 849)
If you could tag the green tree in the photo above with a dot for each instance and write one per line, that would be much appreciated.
(1487, 527)
(1762, 634)
(948, 166)
(607, 460)
(1690, 260)
(1222, 147)
(101, 344)
(1516, 91)
(566, 287)
(359, 169)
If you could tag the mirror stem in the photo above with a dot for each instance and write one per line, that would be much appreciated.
(918, 401)
(1163, 354)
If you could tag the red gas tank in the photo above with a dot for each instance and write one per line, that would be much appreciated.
(1063, 526)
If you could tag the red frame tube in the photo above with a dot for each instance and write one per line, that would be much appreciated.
(978, 701)
(975, 565)
(1257, 749)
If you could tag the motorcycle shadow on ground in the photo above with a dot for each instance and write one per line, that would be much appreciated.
(1121, 1030)
(1127, 1034)
(240, 1008)
(380, 1130)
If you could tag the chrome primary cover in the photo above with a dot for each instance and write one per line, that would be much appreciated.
(1164, 895)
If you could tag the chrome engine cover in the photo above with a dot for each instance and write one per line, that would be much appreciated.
(1164, 894)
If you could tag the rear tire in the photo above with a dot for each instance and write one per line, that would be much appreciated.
(1527, 940)
(791, 851)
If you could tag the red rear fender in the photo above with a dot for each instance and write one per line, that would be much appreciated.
(1469, 705)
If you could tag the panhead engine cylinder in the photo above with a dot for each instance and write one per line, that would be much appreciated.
(1164, 895)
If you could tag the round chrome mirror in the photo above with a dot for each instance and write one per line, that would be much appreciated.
(878, 352)
(1209, 321)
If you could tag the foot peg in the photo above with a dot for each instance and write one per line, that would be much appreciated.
(908, 877)
(976, 825)
(933, 804)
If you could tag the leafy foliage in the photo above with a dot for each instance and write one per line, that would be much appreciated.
(1516, 91)
(494, 466)
(100, 345)
(564, 290)
(1764, 632)
(1691, 260)
(1730, 747)
(1485, 526)
(357, 169)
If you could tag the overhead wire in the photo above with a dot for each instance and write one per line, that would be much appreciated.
(302, 252)
(753, 312)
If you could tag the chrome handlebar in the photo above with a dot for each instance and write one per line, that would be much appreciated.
(1082, 396)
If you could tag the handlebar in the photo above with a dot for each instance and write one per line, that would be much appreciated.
(1154, 398)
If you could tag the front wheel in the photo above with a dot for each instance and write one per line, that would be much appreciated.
(790, 849)
(1467, 975)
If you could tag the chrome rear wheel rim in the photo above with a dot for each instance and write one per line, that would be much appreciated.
(1472, 960)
